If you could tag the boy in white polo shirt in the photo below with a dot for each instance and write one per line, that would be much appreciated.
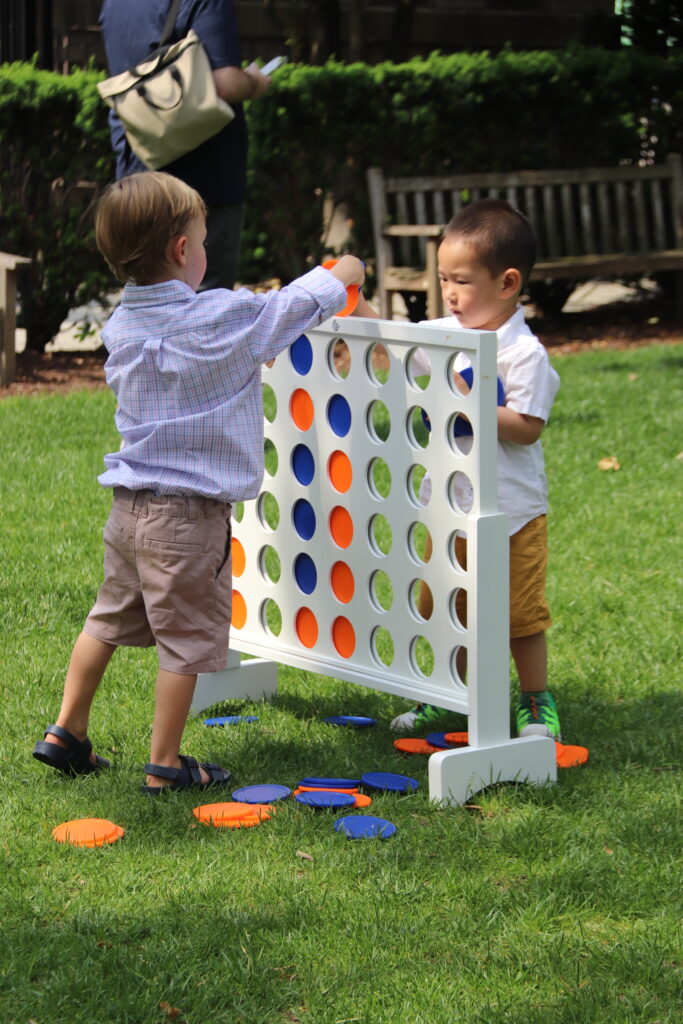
(485, 257)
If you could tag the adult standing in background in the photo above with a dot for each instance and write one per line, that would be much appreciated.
(217, 168)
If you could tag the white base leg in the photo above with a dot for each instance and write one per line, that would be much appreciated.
(254, 679)
(455, 775)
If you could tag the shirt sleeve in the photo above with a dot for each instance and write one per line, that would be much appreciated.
(215, 23)
(531, 383)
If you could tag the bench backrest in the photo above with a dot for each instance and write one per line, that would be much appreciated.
(585, 211)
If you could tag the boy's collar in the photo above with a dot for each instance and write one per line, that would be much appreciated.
(152, 294)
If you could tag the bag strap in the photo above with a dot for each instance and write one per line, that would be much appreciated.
(170, 22)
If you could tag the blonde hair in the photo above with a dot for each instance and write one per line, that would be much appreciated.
(136, 218)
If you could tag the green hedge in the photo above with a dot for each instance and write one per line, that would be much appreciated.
(53, 141)
(314, 133)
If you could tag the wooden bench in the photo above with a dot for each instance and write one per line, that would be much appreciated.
(590, 222)
(8, 322)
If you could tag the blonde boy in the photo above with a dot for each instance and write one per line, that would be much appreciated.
(185, 368)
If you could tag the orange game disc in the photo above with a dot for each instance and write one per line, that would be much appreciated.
(414, 746)
(88, 832)
(457, 738)
(567, 756)
(410, 745)
(232, 814)
(351, 292)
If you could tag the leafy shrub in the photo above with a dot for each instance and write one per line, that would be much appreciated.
(54, 154)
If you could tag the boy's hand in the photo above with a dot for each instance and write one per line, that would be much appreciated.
(349, 270)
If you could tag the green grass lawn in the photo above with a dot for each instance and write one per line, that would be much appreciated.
(533, 906)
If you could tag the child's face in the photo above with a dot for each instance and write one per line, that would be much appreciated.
(469, 291)
(195, 253)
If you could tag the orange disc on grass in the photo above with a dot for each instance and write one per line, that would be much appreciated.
(340, 471)
(342, 581)
(239, 610)
(567, 756)
(341, 526)
(343, 637)
(87, 832)
(306, 627)
(231, 814)
(239, 559)
(301, 409)
(414, 746)
(457, 739)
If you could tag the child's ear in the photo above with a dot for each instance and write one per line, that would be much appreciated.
(175, 250)
(511, 283)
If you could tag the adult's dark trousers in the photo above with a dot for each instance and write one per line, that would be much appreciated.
(223, 235)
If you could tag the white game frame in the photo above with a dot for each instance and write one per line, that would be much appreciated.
(492, 756)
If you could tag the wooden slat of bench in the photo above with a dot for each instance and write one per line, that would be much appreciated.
(568, 220)
(608, 265)
(604, 220)
(640, 218)
(553, 241)
(622, 215)
(658, 215)
(494, 179)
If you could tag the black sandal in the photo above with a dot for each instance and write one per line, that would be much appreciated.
(187, 777)
(71, 760)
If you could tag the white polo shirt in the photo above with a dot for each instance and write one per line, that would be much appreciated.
(530, 385)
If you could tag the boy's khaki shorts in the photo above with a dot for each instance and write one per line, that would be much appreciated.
(529, 612)
(167, 579)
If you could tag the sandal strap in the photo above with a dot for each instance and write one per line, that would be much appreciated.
(192, 766)
(82, 746)
(163, 771)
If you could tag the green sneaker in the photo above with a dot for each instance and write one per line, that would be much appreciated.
(537, 715)
(421, 715)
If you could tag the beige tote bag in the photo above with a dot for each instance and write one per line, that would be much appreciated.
(168, 105)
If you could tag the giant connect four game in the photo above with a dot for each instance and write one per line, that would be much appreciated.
(379, 492)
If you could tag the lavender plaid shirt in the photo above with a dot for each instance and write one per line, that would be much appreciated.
(186, 370)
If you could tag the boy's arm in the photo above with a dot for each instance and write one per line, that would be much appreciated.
(517, 427)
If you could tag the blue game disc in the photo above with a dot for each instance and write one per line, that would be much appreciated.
(356, 721)
(260, 794)
(324, 783)
(389, 781)
(364, 826)
(325, 798)
(230, 720)
(438, 739)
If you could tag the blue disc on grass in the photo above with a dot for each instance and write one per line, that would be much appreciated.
(230, 720)
(355, 721)
(389, 781)
(326, 799)
(438, 739)
(364, 826)
(260, 794)
(326, 783)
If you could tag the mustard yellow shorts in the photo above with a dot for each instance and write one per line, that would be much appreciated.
(529, 612)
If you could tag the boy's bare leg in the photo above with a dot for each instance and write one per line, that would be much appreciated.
(89, 660)
(174, 694)
(530, 655)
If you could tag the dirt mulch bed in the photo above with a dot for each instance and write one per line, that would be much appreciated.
(617, 326)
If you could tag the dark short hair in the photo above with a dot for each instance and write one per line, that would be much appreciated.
(501, 236)
(137, 217)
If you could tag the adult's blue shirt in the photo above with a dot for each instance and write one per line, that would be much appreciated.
(131, 30)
